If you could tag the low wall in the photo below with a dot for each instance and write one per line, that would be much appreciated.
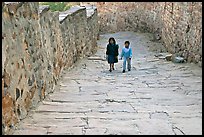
(37, 45)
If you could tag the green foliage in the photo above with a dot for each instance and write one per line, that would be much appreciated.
(56, 6)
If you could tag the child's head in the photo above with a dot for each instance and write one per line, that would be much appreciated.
(112, 40)
(127, 43)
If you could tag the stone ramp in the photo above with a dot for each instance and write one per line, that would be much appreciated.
(156, 98)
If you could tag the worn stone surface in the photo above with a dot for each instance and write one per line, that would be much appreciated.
(37, 46)
(157, 97)
(177, 24)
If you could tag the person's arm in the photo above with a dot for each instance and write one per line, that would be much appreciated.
(122, 54)
(107, 50)
(130, 53)
(117, 48)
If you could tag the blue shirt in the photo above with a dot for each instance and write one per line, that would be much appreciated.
(126, 52)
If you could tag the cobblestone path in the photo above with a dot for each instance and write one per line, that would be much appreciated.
(156, 97)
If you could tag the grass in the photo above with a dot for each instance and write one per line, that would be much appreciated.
(56, 6)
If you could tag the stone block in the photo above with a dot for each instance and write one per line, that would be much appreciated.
(8, 116)
(7, 79)
(178, 60)
(168, 57)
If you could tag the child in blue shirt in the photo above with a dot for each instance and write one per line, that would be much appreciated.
(126, 55)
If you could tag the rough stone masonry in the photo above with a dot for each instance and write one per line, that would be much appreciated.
(37, 45)
(177, 24)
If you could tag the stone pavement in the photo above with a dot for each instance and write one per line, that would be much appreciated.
(156, 98)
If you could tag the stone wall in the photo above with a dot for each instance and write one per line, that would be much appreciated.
(37, 45)
(177, 24)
